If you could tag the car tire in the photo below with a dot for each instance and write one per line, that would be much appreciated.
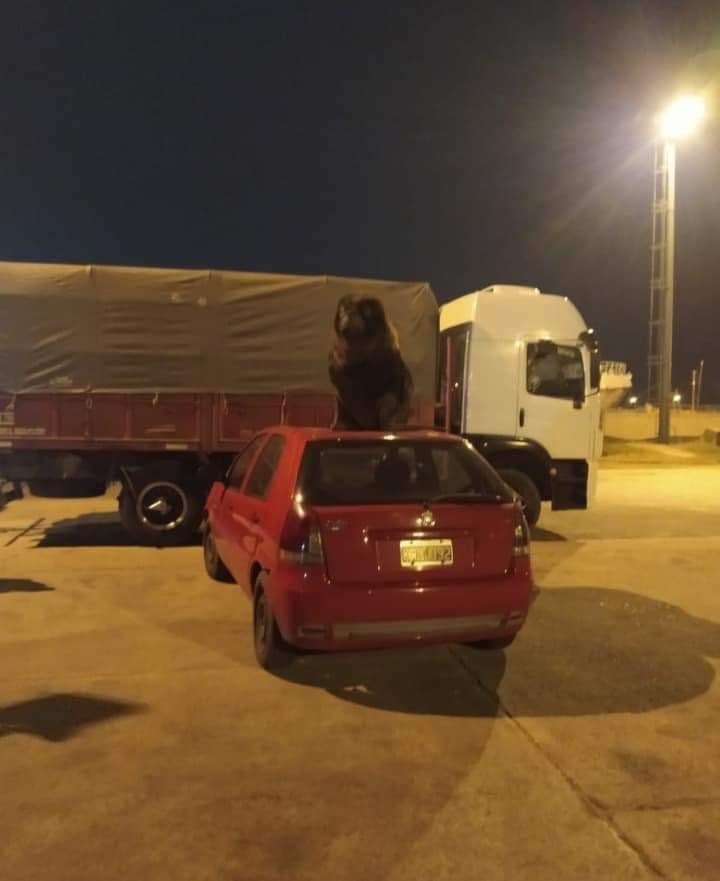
(271, 650)
(161, 511)
(493, 645)
(214, 566)
(525, 487)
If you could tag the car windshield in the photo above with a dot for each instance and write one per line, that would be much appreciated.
(397, 471)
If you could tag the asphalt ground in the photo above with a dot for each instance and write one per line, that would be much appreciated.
(139, 739)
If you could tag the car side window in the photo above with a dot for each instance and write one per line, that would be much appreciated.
(262, 474)
(240, 466)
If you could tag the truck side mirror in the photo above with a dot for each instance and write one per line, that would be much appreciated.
(578, 401)
(588, 338)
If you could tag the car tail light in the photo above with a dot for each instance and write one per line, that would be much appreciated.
(521, 535)
(301, 540)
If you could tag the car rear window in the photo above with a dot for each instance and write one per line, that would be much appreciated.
(395, 472)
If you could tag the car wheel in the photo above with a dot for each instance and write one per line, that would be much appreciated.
(163, 512)
(493, 645)
(214, 566)
(271, 650)
(525, 487)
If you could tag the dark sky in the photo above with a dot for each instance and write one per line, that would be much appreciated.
(459, 143)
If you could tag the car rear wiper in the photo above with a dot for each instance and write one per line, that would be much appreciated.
(467, 497)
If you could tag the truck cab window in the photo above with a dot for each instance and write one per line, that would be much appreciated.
(557, 373)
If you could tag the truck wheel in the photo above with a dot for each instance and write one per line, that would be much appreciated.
(525, 487)
(164, 512)
(56, 488)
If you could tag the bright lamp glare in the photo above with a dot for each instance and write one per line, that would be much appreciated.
(682, 117)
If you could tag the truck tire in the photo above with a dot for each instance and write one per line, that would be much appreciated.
(57, 488)
(162, 511)
(525, 487)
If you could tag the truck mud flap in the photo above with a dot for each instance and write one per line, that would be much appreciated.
(570, 485)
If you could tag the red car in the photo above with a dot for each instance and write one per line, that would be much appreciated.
(347, 540)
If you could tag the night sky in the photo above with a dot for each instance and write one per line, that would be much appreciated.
(458, 143)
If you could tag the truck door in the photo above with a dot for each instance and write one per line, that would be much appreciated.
(552, 407)
(453, 354)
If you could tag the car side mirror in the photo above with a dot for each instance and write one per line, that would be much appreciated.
(578, 402)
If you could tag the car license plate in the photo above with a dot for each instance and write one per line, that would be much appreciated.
(422, 553)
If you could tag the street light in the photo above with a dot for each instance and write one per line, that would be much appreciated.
(678, 121)
(681, 118)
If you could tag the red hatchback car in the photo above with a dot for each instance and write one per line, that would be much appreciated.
(347, 540)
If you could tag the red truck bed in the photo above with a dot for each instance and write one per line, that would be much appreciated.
(207, 423)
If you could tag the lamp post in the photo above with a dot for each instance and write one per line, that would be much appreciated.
(679, 120)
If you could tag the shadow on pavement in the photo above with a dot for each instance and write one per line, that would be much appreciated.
(425, 681)
(538, 534)
(584, 652)
(58, 717)
(89, 531)
(590, 651)
(86, 531)
(22, 585)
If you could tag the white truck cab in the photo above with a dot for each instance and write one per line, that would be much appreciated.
(520, 376)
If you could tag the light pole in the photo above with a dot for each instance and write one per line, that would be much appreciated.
(678, 121)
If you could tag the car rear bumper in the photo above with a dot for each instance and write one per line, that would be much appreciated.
(331, 617)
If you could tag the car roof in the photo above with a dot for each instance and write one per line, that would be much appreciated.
(311, 433)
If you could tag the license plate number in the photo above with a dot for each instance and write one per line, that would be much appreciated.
(422, 553)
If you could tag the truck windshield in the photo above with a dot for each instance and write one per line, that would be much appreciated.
(556, 374)
(397, 472)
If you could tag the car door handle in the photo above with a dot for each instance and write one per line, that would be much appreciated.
(254, 517)
(522, 417)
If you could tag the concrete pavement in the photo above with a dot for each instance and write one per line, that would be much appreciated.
(138, 738)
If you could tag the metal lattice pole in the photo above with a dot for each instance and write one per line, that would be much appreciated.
(662, 286)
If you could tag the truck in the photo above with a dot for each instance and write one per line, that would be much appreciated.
(153, 379)
(520, 375)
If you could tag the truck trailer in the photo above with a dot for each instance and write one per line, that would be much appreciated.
(154, 378)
